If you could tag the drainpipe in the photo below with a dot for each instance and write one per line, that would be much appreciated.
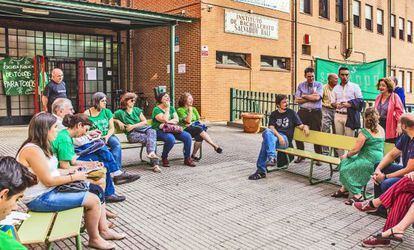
(389, 38)
(295, 53)
(350, 34)
(172, 63)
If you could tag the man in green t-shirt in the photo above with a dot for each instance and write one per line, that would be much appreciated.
(14, 179)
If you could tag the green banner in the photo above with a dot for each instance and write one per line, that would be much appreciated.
(18, 76)
(366, 75)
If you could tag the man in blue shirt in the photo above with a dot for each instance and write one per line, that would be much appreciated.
(309, 97)
(399, 90)
(387, 173)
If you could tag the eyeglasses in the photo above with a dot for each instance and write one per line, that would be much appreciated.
(103, 100)
(132, 100)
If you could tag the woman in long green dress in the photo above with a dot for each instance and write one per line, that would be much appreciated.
(357, 165)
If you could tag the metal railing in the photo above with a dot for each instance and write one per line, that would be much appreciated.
(242, 101)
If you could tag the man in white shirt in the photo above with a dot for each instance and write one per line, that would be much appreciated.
(341, 94)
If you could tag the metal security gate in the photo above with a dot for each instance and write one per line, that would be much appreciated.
(73, 53)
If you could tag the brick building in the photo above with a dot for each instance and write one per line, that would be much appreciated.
(88, 40)
(247, 44)
(320, 29)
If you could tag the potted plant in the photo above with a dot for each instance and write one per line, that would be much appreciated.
(251, 122)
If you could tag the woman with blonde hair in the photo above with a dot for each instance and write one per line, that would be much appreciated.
(390, 108)
(190, 121)
(357, 165)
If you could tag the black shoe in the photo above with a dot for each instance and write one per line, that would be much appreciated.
(114, 198)
(125, 178)
(219, 150)
(379, 213)
(257, 176)
(299, 160)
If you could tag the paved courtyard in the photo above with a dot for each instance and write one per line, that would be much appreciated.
(214, 206)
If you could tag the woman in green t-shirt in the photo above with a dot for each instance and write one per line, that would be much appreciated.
(102, 119)
(163, 114)
(190, 121)
(132, 121)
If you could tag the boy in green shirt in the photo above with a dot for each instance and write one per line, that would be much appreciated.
(14, 179)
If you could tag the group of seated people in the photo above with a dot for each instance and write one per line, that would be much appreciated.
(393, 183)
(63, 148)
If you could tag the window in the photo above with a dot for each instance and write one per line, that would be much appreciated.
(306, 49)
(233, 59)
(339, 10)
(410, 31)
(324, 8)
(401, 27)
(356, 11)
(393, 72)
(409, 87)
(112, 2)
(393, 25)
(274, 62)
(401, 78)
(368, 17)
(380, 21)
(305, 6)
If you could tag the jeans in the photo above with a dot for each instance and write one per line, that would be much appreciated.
(387, 183)
(54, 201)
(169, 141)
(105, 156)
(269, 145)
(116, 151)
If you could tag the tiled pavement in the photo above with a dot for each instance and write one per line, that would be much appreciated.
(214, 206)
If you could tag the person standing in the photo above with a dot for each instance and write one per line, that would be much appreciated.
(341, 95)
(390, 108)
(56, 88)
(328, 111)
(309, 97)
(399, 90)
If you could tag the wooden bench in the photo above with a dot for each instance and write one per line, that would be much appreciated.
(323, 139)
(46, 228)
(128, 145)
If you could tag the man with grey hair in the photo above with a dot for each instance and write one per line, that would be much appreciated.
(56, 88)
(398, 89)
(60, 108)
(328, 111)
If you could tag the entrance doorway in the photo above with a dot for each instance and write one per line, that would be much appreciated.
(70, 77)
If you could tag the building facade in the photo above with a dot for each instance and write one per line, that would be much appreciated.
(88, 40)
(215, 56)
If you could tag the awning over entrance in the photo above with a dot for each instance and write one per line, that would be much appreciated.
(85, 14)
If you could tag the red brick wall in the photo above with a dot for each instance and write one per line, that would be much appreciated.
(151, 54)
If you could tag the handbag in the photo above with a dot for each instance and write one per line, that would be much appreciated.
(73, 187)
(141, 129)
(199, 124)
(172, 128)
(96, 174)
(90, 147)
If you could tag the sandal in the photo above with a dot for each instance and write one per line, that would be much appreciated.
(195, 158)
(340, 194)
(354, 199)
(257, 176)
(392, 236)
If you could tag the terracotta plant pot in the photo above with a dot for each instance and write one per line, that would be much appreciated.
(251, 122)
